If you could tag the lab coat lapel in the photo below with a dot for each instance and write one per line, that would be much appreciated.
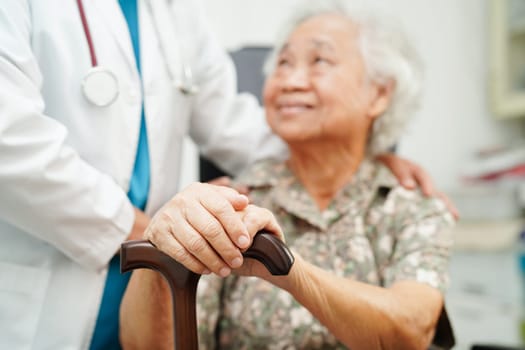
(114, 19)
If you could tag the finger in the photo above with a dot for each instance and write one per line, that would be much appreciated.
(449, 204)
(400, 168)
(199, 248)
(221, 208)
(404, 176)
(212, 231)
(160, 234)
(424, 180)
(257, 219)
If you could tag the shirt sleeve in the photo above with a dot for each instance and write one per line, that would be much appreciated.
(417, 232)
(228, 127)
(46, 189)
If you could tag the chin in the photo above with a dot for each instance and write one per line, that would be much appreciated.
(293, 136)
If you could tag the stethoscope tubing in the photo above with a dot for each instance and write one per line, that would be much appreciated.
(106, 94)
(87, 33)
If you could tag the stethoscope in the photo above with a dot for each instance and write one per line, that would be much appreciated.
(100, 85)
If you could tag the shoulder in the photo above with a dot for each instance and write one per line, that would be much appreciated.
(405, 207)
(411, 234)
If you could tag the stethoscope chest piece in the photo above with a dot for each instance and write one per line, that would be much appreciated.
(100, 86)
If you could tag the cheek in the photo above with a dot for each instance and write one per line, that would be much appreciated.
(344, 108)
(268, 108)
(343, 84)
(269, 95)
(345, 97)
(269, 92)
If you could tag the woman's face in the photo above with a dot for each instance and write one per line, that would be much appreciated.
(319, 89)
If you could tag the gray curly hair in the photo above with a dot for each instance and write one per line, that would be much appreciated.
(388, 56)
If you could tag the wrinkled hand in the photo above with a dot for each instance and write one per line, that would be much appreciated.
(257, 218)
(205, 227)
(411, 175)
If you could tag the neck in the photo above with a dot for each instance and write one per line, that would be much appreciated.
(324, 169)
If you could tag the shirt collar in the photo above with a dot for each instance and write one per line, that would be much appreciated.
(289, 194)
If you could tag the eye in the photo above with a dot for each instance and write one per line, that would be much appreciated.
(282, 61)
(321, 60)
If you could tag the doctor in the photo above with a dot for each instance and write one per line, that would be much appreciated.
(95, 99)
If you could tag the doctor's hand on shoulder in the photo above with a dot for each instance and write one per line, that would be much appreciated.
(411, 176)
(206, 227)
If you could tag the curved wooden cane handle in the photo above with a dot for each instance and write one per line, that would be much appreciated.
(266, 248)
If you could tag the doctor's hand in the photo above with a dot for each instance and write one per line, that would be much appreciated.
(411, 176)
(202, 227)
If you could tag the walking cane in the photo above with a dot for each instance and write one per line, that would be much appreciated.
(266, 248)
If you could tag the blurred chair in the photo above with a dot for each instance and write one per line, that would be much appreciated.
(249, 63)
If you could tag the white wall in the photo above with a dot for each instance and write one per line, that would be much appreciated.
(452, 37)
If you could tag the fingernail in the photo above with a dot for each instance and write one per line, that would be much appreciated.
(409, 183)
(243, 241)
(237, 262)
(224, 272)
(206, 272)
(244, 197)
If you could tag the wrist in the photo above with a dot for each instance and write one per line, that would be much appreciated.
(294, 279)
(139, 225)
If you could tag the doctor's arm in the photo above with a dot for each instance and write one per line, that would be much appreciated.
(46, 189)
(229, 128)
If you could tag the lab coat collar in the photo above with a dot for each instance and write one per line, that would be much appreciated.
(116, 22)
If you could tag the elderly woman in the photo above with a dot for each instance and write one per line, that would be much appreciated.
(371, 256)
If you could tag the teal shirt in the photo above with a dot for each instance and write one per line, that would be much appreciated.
(105, 336)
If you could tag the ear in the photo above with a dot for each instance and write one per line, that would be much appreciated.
(382, 96)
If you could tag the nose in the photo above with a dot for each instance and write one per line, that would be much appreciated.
(296, 79)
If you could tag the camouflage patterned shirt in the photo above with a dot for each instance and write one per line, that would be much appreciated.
(374, 231)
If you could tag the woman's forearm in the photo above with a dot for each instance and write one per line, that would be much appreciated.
(363, 316)
(146, 320)
(358, 314)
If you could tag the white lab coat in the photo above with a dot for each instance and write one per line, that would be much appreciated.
(65, 165)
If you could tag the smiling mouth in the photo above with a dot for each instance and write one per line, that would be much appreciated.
(294, 108)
